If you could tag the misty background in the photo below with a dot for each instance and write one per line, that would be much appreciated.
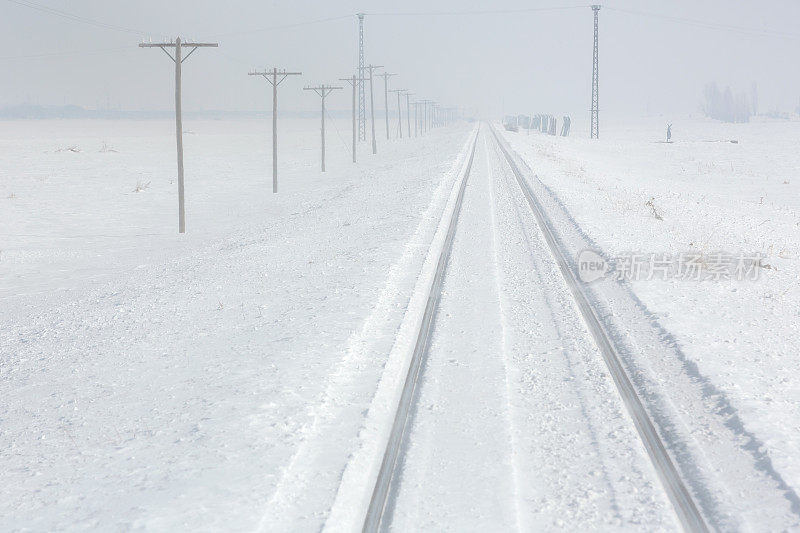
(655, 57)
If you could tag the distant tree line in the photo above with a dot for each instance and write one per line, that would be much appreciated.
(729, 107)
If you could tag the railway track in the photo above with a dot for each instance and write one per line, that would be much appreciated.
(377, 502)
(679, 495)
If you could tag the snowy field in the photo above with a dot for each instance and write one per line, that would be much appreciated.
(222, 379)
(158, 381)
(703, 194)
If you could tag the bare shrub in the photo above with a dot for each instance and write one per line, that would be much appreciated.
(651, 204)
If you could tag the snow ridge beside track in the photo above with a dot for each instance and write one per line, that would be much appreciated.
(353, 500)
(309, 482)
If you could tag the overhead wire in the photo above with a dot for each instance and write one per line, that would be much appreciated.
(62, 53)
(708, 25)
(344, 143)
(282, 26)
(476, 12)
(74, 17)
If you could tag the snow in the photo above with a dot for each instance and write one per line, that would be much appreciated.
(737, 340)
(162, 382)
(547, 442)
(243, 376)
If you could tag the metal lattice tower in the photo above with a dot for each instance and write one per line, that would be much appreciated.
(595, 133)
(362, 101)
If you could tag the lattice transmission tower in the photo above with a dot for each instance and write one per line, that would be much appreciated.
(362, 101)
(595, 133)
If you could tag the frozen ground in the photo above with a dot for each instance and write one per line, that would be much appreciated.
(226, 379)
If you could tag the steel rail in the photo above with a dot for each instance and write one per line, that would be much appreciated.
(377, 503)
(685, 507)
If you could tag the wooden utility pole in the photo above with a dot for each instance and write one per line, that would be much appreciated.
(178, 58)
(386, 77)
(423, 126)
(272, 77)
(416, 120)
(399, 117)
(372, 106)
(323, 91)
(408, 113)
(354, 81)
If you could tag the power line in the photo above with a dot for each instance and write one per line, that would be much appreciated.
(477, 12)
(75, 18)
(336, 128)
(67, 53)
(282, 26)
(681, 20)
(708, 25)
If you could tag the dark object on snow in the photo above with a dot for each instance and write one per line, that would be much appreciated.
(510, 123)
(669, 132)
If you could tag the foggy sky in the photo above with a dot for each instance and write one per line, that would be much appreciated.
(491, 63)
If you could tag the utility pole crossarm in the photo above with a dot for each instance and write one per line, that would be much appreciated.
(194, 46)
(350, 80)
(183, 43)
(274, 74)
(322, 90)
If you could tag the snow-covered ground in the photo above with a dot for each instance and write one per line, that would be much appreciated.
(518, 425)
(159, 381)
(230, 378)
(739, 338)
